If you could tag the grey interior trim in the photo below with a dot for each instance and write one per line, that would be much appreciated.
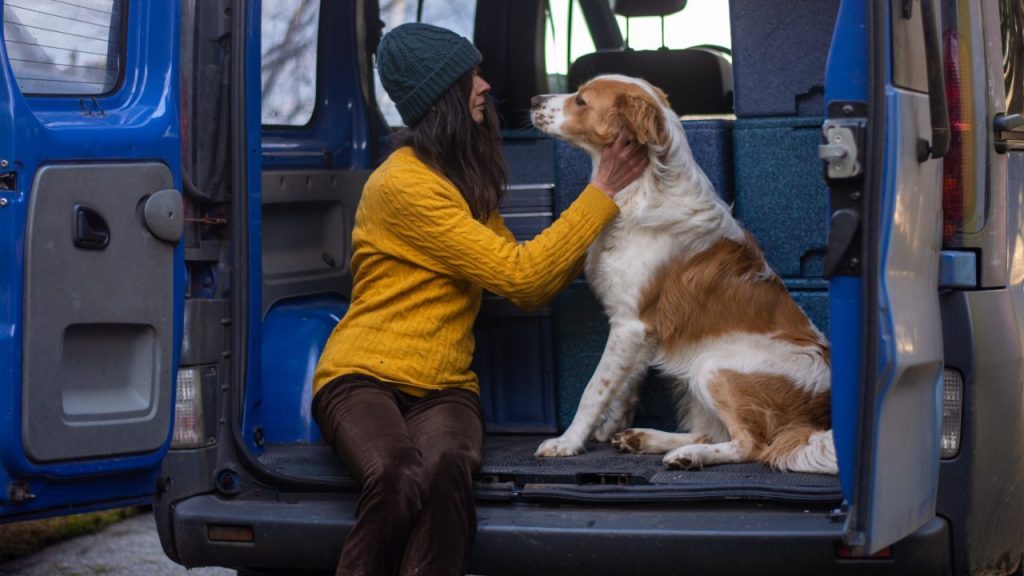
(307, 232)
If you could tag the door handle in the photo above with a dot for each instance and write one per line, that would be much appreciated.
(91, 231)
(1009, 132)
(842, 236)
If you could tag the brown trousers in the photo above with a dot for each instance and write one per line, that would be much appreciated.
(415, 458)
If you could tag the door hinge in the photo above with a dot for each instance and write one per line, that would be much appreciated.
(18, 493)
(8, 181)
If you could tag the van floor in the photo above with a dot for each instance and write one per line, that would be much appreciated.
(601, 473)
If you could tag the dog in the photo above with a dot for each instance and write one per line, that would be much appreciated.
(687, 290)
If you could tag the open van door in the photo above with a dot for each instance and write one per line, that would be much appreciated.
(885, 134)
(91, 267)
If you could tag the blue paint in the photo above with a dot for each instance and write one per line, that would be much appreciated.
(294, 334)
(846, 79)
(39, 130)
(958, 269)
(254, 248)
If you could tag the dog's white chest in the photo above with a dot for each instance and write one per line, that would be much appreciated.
(621, 263)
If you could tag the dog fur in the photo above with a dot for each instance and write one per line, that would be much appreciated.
(688, 291)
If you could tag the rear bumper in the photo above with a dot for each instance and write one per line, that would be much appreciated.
(516, 539)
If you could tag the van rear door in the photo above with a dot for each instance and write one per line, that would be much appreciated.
(884, 136)
(92, 282)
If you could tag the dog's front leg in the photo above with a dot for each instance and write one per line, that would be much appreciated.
(619, 414)
(627, 352)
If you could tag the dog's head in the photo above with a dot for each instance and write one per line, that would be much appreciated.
(593, 116)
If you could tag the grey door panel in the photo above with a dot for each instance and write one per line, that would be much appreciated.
(98, 319)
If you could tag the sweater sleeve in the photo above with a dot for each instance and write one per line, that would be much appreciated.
(435, 224)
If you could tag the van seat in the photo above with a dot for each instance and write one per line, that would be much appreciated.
(696, 80)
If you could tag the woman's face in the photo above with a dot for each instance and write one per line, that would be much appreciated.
(478, 97)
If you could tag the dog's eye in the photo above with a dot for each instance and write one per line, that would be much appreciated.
(580, 101)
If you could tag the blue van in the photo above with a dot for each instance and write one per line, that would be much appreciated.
(178, 180)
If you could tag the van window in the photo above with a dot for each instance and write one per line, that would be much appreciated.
(1012, 16)
(559, 49)
(459, 16)
(60, 47)
(701, 23)
(288, 63)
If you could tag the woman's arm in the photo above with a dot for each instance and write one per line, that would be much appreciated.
(431, 221)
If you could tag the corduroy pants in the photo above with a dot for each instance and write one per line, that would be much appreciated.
(415, 458)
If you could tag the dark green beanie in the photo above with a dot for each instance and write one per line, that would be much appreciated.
(418, 62)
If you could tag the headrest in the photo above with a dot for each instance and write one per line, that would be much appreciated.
(631, 8)
(697, 81)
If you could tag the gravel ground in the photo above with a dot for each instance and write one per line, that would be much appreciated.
(128, 548)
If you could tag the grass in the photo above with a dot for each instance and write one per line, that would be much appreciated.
(23, 538)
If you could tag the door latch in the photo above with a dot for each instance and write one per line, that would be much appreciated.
(840, 150)
(845, 160)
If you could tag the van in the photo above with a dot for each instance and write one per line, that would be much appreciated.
(178, 181)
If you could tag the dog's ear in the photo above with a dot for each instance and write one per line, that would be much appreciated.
(662, 97)
(641, 116)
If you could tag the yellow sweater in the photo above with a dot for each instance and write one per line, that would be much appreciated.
(420, 262)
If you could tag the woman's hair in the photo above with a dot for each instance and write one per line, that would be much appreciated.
(467, 153)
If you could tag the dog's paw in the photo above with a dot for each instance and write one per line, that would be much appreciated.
(559, 447)
(630, 440)
(685, 458)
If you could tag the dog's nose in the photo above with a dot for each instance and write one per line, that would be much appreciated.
(537, 100)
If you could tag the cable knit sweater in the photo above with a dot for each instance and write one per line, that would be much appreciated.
(420, 263)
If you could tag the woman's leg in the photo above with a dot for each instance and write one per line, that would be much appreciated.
(447, 427)
(363, 422)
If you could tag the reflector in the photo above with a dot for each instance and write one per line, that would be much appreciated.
(189, 431)
(952, 408)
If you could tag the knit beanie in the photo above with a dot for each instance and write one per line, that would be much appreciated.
(418, 62)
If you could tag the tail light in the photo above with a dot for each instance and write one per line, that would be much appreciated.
(960, 208)
(952, 409)
(189, 420)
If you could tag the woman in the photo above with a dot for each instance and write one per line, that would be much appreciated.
(394, 395)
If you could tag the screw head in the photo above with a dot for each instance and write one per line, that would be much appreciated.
(3, 202)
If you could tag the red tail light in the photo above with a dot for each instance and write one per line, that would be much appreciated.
(959, 173)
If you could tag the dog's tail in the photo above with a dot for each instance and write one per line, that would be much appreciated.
(801, 449)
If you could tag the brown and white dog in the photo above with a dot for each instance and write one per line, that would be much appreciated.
(688, 291)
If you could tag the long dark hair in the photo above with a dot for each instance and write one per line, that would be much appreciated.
(465, 152)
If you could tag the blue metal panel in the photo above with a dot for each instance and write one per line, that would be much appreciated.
(294, 334)
(338, 135)
(254, 225)
(846, 79)
(958, 269)
(138, 122)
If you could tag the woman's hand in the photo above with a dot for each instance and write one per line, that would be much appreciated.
(621, 163)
